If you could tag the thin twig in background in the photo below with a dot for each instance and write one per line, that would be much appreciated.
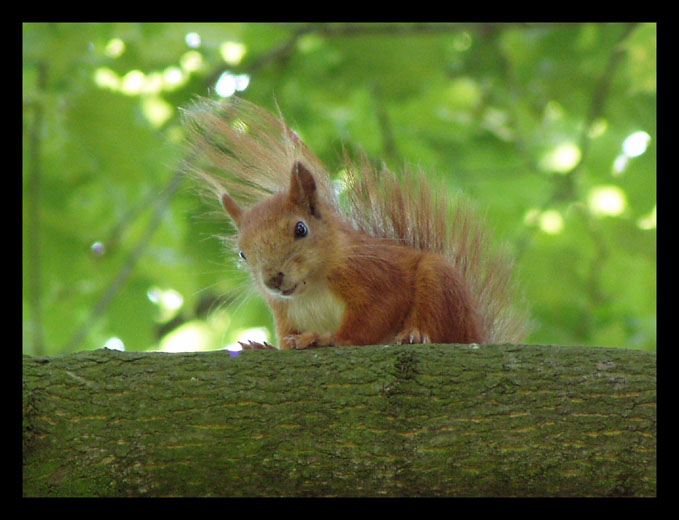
(600, 94)
(279, 53)
(161, 204)
(402, 29)
(565, 184)
(33, 203)
(384, 121)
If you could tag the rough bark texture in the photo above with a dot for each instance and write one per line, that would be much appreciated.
(436, 420)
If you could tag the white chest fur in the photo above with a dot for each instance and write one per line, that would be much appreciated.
(320, 312)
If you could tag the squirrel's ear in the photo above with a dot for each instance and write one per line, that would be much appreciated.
(232, 208)
(303, 189)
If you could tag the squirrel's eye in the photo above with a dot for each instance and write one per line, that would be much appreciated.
(300, 229)
(242, 256)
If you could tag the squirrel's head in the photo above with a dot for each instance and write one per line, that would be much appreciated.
(285, 239)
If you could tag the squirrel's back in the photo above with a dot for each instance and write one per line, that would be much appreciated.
(242, 150)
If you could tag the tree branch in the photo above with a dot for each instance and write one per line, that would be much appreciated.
(338, 30)
(401, 29)
(435, 420)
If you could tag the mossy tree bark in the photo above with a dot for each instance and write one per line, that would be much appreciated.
(435, 420)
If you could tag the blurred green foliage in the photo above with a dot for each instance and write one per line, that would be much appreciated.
(530, 120)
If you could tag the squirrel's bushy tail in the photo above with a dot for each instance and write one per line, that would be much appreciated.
(407, 208)
(239, 148)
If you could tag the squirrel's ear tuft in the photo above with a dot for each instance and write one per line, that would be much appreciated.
(232, 208)
(303, 189)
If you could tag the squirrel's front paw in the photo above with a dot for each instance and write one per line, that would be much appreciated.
(410, 336)
(310, 340)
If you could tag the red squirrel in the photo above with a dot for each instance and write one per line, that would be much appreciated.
(384, 262)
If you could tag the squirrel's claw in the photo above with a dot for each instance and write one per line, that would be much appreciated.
(253, 345)
(411, 336)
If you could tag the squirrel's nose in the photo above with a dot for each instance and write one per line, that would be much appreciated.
(275, 281)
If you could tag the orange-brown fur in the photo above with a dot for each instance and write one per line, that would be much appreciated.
(391, 265)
